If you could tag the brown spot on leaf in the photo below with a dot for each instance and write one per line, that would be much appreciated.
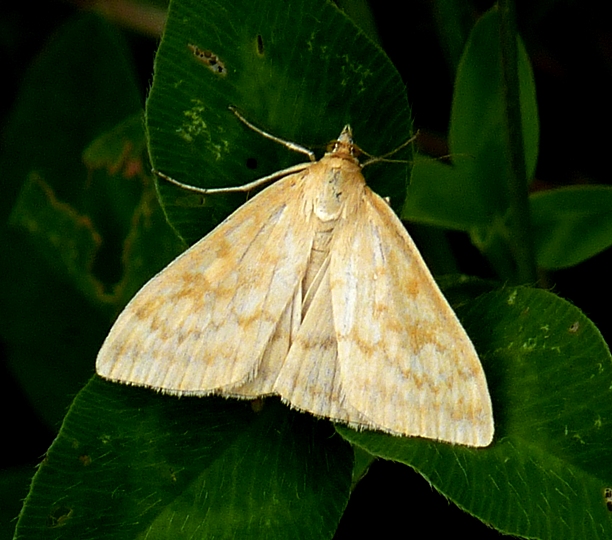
(209, 59)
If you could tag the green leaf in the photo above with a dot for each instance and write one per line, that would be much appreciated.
(571, 224)
(66, 238)
(69, 96)
(550, 377)
(473, 192)
(131, 463)
(52, 319)
(300, 72)
(454, 19)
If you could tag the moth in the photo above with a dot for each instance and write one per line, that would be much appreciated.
(314, 291)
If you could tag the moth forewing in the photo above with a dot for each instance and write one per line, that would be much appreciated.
(203, 323)
(422, 371)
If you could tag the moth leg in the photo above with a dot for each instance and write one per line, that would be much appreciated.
(291, 145)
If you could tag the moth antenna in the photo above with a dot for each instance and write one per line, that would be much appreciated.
(384, 157)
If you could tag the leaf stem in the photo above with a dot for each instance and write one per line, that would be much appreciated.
(521, 239)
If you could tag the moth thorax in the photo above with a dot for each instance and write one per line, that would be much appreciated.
(330, 198)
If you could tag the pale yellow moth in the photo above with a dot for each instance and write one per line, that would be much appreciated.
(313, 291)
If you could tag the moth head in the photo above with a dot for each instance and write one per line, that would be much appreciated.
(344, 146)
